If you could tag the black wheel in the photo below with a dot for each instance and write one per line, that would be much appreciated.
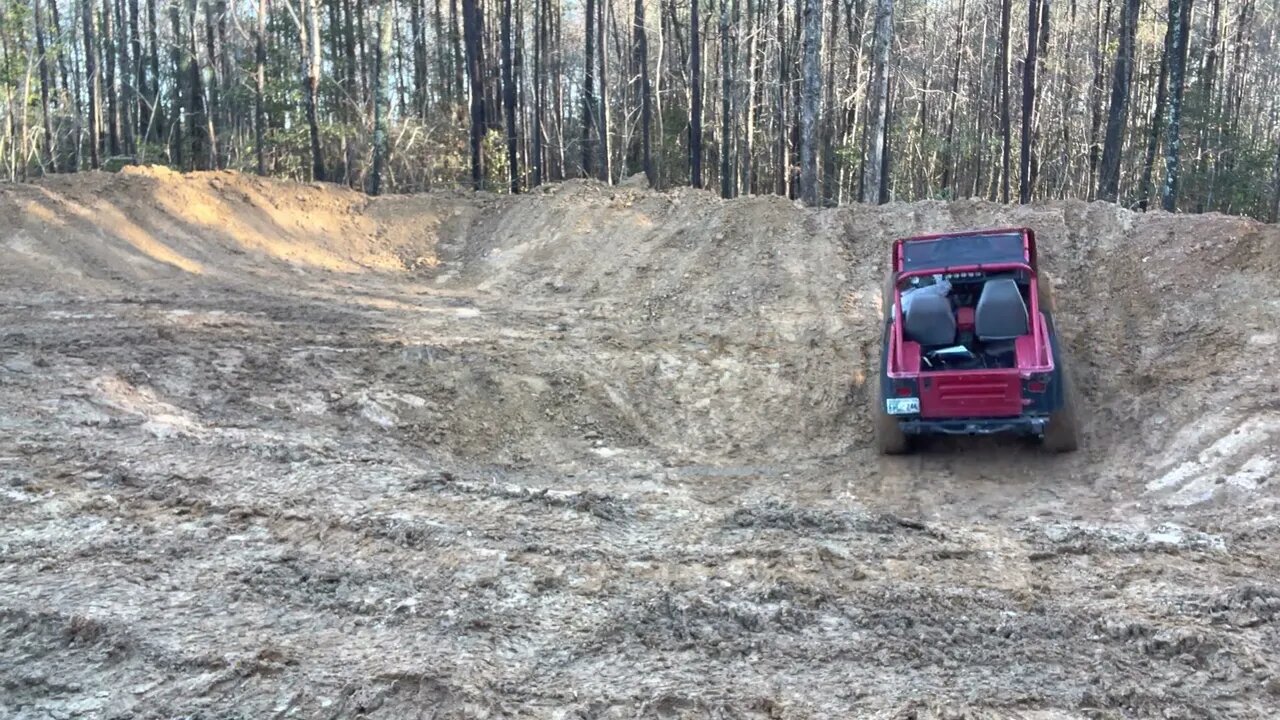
(1044, 292)
(886, 296)
(890, 440)
(1063, 431)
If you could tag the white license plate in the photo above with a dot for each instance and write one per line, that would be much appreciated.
(902, 406)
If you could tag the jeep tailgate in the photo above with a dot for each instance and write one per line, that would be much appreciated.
(971, 394)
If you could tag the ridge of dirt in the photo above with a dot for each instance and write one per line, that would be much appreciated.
(278, 448)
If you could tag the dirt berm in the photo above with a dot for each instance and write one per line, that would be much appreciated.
(281, 450)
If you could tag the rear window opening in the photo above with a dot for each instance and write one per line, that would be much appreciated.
(972, 322)
(963, 250)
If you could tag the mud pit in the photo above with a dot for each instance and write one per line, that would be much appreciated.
(273, 450)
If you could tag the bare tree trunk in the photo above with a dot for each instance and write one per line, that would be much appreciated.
(726, 105)
(107, 43)
(784, 66)
(642, 61)
(811, 71)
(1157, 117)
(311, 86)
(1028, 100)
(213, 110)
(509, 101)
(260, 83)
(1100, 36)
(1117, 117)
(606, 156)
(874, 182)
(695, 106)
(46, 146)
(177, 119)
(472, 31)
(158, 119)
(948, 157)
(1180, 20)
(539, 88)
(1002, 71)
(588, 91)
(91, 81)
(380, 97)
(139, 104)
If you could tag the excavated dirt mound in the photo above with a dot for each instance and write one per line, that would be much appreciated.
(270, 449)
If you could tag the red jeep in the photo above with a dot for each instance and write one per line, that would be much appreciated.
(970, 346)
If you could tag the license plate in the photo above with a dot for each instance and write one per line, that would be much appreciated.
(902, 406)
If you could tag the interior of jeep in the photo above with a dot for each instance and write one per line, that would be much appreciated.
(972, 324)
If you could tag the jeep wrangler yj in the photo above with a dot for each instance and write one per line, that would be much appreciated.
(970, 346)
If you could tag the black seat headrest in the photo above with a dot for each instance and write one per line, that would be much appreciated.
(929, 320)
(1001, 313)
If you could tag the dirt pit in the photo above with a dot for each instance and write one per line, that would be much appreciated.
(278, 450)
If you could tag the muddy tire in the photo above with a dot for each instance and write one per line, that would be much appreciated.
(890, 440)
(1063, 432)
(1044, 292)
(886, 296)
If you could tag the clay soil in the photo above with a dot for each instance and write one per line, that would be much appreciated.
(276, 450)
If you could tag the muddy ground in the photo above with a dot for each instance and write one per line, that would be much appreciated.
(275, 450)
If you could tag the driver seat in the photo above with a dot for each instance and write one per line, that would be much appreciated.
(929, 320)
(1001, 315)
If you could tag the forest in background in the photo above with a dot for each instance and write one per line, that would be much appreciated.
(1172, 103)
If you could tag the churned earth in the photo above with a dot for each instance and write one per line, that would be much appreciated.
(282, 450)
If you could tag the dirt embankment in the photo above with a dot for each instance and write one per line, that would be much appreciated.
(286, 448)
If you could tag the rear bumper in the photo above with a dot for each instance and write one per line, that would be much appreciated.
(1026, 425)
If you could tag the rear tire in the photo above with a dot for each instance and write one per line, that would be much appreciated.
(1063, 432)
(886, 296)
(890, 440)
(1044, 292)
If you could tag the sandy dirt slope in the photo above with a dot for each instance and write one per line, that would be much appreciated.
(278, 450)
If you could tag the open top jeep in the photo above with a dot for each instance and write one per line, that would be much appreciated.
(970, 346)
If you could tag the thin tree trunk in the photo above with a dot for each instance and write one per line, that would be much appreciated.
(472, 30)
(158, 119)
(381, 95)
(260, 84)
(212, 112)
(783, 155)
(539, 88)
(140, 93)
(1002, 71)
(642, 61)
(177, 118)
(874, 181)
(509, 101)
(1028, 100)
(111, 88)
(47, 160)
(695, 106)
(1157, 117)
(1117, 117)
(91, 82)
(726, 105)
(311, 61)
(606, 156)
(1101, 33)
(1181, 9)
(588, 91)
(948, 157)
(417, 31)
(811, 72)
